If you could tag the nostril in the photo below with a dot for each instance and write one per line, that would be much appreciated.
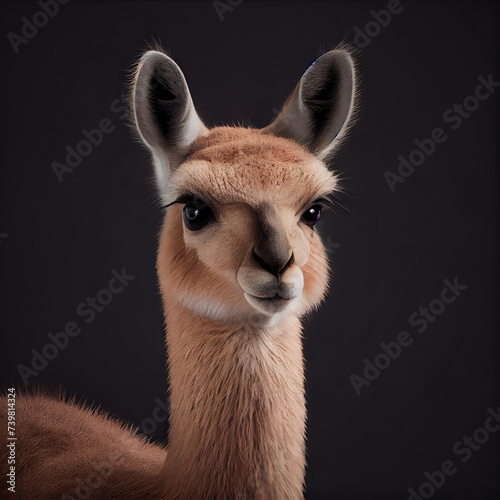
(288, 264)
(262, 263)
(274, 266)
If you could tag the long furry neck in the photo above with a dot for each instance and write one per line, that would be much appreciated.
(237, 409)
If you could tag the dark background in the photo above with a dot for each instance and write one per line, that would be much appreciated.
(390, 253)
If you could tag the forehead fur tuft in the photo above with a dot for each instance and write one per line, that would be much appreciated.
(232, 164)
(231, 144)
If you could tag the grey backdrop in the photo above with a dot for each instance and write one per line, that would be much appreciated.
(390, 252)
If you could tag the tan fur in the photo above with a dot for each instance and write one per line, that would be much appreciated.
(62, 445)
(236, 376)
(238, 414)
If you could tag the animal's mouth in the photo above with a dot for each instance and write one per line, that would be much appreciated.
(269, 305)
(278, 297)
(271, 296)
(275, 300)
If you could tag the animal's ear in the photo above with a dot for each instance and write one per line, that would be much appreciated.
(320, 110)
(164, 113)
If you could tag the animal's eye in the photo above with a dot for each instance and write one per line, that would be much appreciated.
(311, 215)
(196, 215)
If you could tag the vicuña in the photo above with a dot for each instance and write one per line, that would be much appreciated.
(239, 264)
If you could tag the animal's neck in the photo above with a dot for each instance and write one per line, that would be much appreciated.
(237, 409)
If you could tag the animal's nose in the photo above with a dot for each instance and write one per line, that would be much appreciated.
(273, 262)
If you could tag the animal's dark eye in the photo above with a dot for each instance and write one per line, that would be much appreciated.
(197, 214)
(311, 215)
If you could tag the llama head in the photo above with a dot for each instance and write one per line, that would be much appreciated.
(238, 242)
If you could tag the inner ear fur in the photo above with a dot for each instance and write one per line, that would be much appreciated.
(321, 108)
(164, 113)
